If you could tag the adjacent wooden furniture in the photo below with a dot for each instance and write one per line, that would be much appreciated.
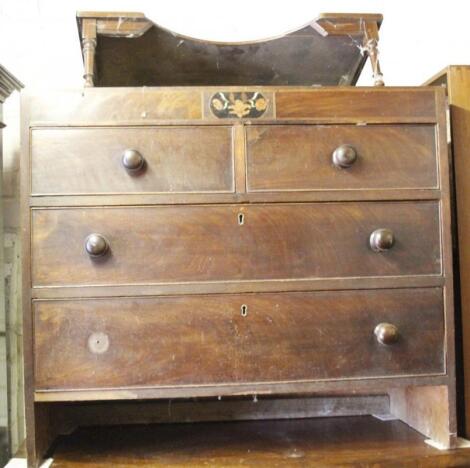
(235, 241)
(456, 81)
(8, 84)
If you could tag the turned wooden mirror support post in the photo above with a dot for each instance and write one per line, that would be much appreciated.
(91, 25)
(88, 48)
(367, 26)
(371, 40)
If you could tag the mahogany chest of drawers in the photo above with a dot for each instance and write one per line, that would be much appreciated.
(220, 241)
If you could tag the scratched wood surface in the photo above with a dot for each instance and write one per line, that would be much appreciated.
(161, 58)
(144, 106)
(89, 160)
(235, 338)
(233, 243)
(398, 106)
(299, 157)
(352, 441)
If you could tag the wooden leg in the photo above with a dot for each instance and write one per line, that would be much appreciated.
(47, 426)
(429, 410)
(371, 41)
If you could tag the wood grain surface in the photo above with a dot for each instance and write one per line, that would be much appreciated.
(88, 160)
(458, 89)
(175, 105)
(362, 103)
(299, 157)
(208, 243)
(201, 340)
(324, 442)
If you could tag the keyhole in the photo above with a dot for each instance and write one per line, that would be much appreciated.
(241, 219)
(244, 310)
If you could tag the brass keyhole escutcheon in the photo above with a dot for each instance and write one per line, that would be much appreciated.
(241, 219)
(244, 310)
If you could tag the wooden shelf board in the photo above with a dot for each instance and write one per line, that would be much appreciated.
(342, 441)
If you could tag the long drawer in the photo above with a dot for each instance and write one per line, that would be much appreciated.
(315, 157)
(193, 340)
(158, 160)
(164, 244)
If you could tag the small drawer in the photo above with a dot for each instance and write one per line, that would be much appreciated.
(175, 244)
(161, 341)
(341, 157)
(81, 161)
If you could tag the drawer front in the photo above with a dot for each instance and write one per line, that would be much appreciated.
(89, 160)
(280, 337)
(300, 157)
(165, 244)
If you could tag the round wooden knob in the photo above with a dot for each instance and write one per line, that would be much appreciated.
(386, 333)
(96, 245)
(344, 156)
(381, 239)
(132, 160)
